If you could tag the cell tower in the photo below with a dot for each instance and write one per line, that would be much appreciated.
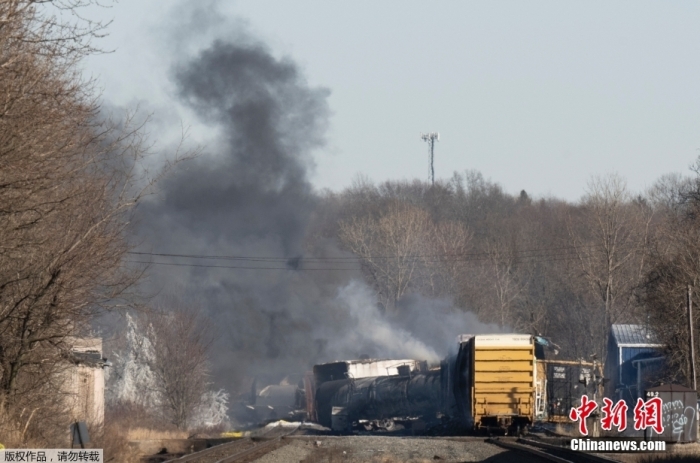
(431, 138)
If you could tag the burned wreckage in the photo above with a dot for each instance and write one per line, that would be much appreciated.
(488, 382)
(500, 382)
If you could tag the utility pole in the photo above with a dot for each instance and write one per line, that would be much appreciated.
(691, 340)
(431, 138)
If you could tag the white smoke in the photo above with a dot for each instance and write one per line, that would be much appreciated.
(437, 321)
(372, 331)
(425, 329)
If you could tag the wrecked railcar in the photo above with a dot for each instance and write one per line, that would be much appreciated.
(488, 384)
(379, 400)
(353, 370)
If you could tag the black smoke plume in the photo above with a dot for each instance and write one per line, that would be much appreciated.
(249, 196)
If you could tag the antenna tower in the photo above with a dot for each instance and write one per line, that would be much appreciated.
(431, 138)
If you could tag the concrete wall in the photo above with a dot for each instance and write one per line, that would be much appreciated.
(85, 382)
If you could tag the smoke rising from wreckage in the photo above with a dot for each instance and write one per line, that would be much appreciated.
(249, 195)
(492, 383)
(248, 201)
(488, 382)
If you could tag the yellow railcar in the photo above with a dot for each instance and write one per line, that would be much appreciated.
(498, 389)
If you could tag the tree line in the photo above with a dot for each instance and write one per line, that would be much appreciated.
(563, 270)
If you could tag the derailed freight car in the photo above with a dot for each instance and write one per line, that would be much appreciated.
(354, 370)
(494, 382)
(489, 383)
(565, 383)
(382, 399)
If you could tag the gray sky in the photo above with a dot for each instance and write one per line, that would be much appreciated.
(535, 95)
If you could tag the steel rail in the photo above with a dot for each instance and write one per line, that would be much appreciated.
(258, 450)
(205, 452)
(526, 449)
(544, 446)
(259, 443)
(545, 451)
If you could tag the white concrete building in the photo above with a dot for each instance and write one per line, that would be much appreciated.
(86, 381)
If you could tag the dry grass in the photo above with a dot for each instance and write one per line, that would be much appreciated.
(123, 424)
(150, 434)
(213, 432)
(129, 422)
(34, 428)
(10, 437)
(126, 422)
(116, 437)
(116, 447)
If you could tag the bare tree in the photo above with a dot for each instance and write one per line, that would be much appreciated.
(389, 248)
(181, 339)
(405, 249)
(507, 285)
(449, 242)
(610, 237)
(68, 184)
(674, 264)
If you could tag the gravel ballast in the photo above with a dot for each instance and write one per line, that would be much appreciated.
(381, 449)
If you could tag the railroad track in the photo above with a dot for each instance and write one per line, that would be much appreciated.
(548, 452)
(244, 450)
(247, 450)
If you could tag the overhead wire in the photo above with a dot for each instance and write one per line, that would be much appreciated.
(285, 259)
(175, 264)
(552, 254)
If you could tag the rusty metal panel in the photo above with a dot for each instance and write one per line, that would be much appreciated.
(310, 393)
(679, 413)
